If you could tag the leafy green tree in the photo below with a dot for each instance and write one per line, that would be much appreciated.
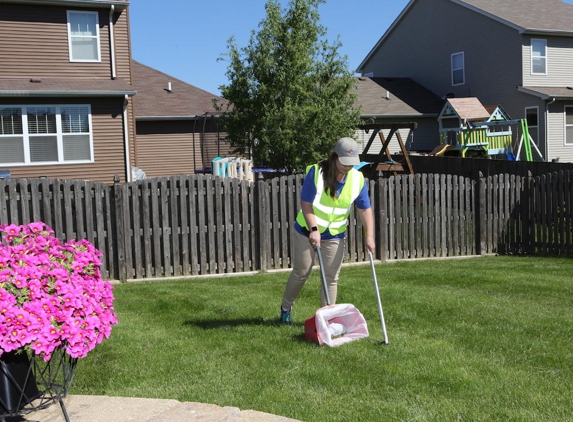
(290, 93)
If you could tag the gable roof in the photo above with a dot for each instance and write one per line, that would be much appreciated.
(496, 112)
(525, 16)
(468, 109)
(154, 101)
(396, 97)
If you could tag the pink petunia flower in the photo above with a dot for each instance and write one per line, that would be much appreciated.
(51, 293)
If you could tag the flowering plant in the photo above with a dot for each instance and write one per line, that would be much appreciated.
(51, 293)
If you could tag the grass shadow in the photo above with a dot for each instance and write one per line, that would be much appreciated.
(212, 324)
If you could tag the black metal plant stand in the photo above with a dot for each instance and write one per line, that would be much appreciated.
(28, 384)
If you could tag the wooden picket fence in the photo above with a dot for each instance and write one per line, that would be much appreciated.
(199, 225)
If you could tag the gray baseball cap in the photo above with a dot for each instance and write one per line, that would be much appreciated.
(347, 151)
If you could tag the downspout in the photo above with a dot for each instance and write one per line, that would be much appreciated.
(126, 141)
(112, 42)
(547, 128)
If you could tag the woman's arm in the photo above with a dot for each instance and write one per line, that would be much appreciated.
(308, 213)
(368, 221)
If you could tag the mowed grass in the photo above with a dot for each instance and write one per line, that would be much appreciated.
(478, 339)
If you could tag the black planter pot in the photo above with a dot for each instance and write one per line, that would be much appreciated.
(17, 382)
(28, 383)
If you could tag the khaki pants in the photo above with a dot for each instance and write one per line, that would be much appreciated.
(332, 252)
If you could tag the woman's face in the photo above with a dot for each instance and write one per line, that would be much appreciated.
(342, 169)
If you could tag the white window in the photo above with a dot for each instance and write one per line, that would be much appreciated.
(45, 135)
(538, 57)
(83, 36)
(568, 125)
(458, 69)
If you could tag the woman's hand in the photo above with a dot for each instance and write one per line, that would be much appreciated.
(314, 239)
(368, 221)
(307, 211)
(370, 244)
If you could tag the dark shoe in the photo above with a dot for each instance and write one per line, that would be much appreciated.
(285, 316)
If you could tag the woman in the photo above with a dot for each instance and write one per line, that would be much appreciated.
(328, 192)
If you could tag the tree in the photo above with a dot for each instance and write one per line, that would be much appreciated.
(290, 93)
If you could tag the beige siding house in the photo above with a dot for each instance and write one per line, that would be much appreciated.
(66, 106)
(517, 54)
(177, 131)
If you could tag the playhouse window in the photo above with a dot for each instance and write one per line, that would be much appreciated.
(458, 69)
(538, 57)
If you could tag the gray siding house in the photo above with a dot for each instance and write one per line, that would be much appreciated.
(517, 54)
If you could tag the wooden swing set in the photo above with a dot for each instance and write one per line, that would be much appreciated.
(382, 161)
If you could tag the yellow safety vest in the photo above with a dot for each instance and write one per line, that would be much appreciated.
(332, 213)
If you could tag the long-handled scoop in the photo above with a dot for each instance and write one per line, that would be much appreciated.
(378, 299)
(322, 275)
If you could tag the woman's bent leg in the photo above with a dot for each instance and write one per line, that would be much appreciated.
(303, 260)
(332, 252)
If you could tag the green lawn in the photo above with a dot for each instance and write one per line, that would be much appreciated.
(479, 339)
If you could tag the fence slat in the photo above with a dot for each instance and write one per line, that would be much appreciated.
(47, 202)
(229, 186)
(263, 218)
(89, 210)
(219, 211)
(136, 236)
(238, 232)
(210, 225)
(34, 192)
(13, 195)
(175, 222)
(195, 226)
(184, 218)
(246, 228)
(4, 201)
(283, 225)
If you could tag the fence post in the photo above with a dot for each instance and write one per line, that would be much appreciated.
(480, 217)
(528, 238)
(119, 228)
(381, 226)
(263, 219)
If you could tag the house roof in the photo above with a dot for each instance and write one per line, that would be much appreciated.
(396, 97)
(496, 112)
(469, 109)
(526, 16)
(548, 92)
(120, 4)
(154, 101)
(64, 87)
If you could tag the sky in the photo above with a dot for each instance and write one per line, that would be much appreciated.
(184, 38)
